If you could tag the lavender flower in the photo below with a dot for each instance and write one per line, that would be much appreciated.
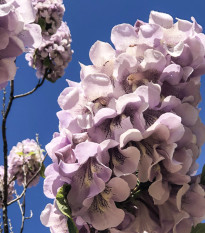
(18, 33)
(101, 211)
(133, 123)
(49, 15)
(24, 161)
(53, 55)
(53, 218)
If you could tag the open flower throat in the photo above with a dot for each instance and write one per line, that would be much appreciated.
(130, 133)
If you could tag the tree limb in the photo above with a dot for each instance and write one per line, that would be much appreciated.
(5, 149)
(40, 83)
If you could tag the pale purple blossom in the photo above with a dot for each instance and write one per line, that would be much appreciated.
(53, 218)
(88, 175)
(186, 205)
(24, 161)
(18, 33)
(101, 211)
(49, 14)
(53, 55)
(130, 133)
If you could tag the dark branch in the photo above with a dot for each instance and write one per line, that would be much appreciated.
(5, 148)
(39, 84)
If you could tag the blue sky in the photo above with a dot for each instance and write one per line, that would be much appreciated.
(89, 20)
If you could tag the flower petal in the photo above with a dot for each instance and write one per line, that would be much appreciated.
(123, 36)
(162, 19)
(100, 53)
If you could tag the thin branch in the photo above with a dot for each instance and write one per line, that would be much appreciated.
(31, 215)
(23, 205)
(39, 84)
(5, 148)
(13, 179)
(22, 209)
(19, 203)
(26, 186)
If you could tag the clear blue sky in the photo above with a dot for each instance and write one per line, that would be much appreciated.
(89, 20)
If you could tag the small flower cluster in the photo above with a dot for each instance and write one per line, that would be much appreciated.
(10, 186)
(24, 161)
(17, 32)
(49, 15)
(54, 53)
(130, 133)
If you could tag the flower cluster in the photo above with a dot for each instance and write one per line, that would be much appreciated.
(24, 161)
(17, 32)
(130, 133)
(54, 53)
(10, 186)
(49, 15)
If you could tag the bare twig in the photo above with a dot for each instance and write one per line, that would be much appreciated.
(39, 84)
(22, 206)
(26, 186)
(13, 179)
(22, 209)
(31, 215)
(19, 203)
(5, 148)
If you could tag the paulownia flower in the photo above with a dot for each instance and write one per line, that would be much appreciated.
(24, 160)
(133, 130)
